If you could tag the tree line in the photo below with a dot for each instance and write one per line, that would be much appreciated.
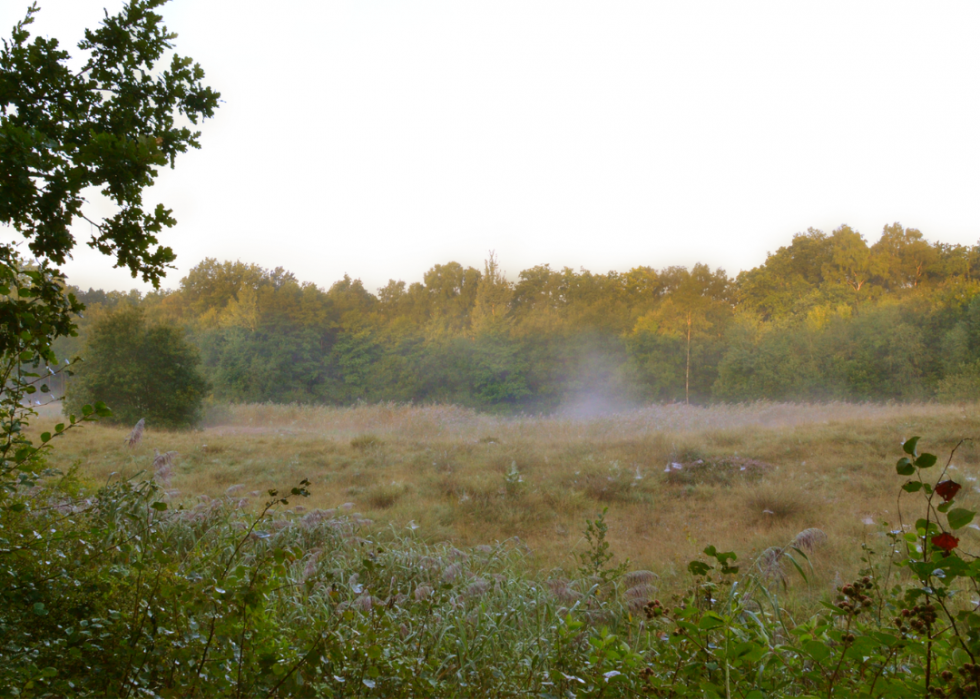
(827, 317)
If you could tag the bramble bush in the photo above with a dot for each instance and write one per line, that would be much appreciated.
(903, 628)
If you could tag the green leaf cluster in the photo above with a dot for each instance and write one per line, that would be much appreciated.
(144, 371)
(110, 124)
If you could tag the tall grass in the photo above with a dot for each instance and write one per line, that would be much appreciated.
(214, 601)
(133, 590)
(449, 474)
(450, 421)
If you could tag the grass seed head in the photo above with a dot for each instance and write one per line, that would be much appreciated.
(134, 438)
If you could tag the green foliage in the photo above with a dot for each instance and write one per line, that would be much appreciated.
(961, 385)
(140, 370)
(498, 371)
(106, 123)
(826, 318)
(33, 312)
(127, 596)
(657, 363)
(110, 124)
(770, 363)
(595, 561)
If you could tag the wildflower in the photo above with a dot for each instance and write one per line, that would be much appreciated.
(945, 541)
(947, 490)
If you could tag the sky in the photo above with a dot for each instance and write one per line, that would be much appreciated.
(379, 138)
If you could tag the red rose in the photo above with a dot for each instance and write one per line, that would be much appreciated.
(947, 490)
(945, 541)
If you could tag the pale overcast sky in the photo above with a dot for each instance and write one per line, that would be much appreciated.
(381, 138)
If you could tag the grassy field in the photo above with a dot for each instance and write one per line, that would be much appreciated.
(749, 476)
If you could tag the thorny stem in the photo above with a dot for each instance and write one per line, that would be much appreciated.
(833, 678)
(881, 669)
(135, 634)
(139, 628)
(952, 624)
(207, 648)
(677, 669)
(728, 678)
(241, 650)
(928, 653)
(234, 554)
(299, 663)
(930, 508)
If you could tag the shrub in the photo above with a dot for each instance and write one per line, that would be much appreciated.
(961, 386)
(140, 371)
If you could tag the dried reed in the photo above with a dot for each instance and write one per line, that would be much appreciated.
(810, 539)
(136, 435)
(450, 421)
(769, 564)
(163, 465)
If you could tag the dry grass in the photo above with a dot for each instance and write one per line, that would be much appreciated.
(716, 471)
(364, 442)
(450, 472)
(778, 502)
(449, 421)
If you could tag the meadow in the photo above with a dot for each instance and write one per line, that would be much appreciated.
(406, 551)
(744, 477)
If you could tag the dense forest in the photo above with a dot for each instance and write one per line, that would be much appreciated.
(826, 317)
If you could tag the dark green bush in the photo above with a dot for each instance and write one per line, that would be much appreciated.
(140, 371)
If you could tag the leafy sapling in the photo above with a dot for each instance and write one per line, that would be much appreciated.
(595, 561)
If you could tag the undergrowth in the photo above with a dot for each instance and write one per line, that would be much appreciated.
(119, 593)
